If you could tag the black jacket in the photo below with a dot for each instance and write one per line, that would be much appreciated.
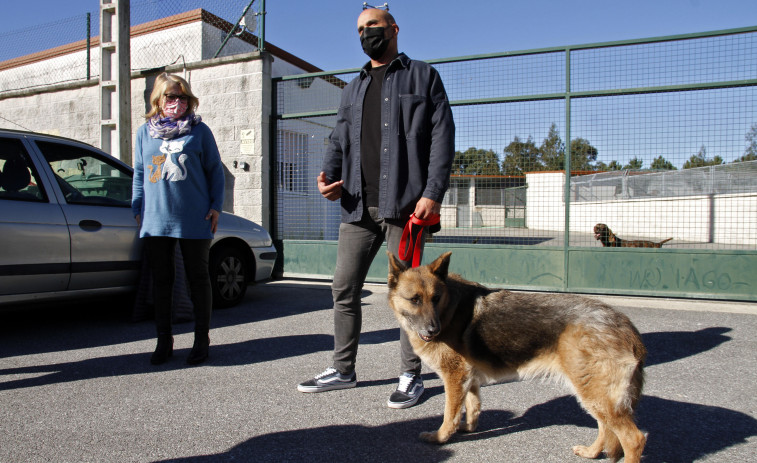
(417, 140)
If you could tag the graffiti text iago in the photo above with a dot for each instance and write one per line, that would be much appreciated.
(711, 280)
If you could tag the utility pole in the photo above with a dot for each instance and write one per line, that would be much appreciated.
(115, 79)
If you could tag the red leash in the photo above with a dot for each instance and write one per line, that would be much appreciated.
(406, 242)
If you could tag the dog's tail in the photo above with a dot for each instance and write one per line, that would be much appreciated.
(664, 241)
(613, 448)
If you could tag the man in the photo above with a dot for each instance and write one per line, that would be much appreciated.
(390, 156)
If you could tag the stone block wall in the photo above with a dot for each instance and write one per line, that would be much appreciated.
(234, 95)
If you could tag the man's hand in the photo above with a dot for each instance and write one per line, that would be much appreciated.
(331, 191)
(213, 217)
(425, 208)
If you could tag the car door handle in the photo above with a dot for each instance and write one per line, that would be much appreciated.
(90, 225)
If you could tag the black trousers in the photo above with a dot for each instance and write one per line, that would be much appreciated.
(160, 254)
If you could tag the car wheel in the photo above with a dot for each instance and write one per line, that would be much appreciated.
(228, 276)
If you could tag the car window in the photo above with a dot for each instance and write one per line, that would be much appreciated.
(86, 176)
(18, 178)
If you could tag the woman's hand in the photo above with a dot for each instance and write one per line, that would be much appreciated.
(213, 217)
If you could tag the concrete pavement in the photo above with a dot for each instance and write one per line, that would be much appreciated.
(76, 385)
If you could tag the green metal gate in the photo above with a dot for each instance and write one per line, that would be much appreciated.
(660, 142)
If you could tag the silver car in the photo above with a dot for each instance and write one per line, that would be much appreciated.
(67, 230)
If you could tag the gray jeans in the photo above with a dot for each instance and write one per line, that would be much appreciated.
(358, 244)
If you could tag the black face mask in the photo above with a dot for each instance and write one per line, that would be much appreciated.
(373, 42)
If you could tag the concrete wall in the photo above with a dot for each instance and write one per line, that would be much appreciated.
(234, 103)
(703, 219)
(234, 92)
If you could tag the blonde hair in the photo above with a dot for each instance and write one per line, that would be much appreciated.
(162, 82)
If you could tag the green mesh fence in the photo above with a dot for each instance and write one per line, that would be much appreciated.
(661, 133)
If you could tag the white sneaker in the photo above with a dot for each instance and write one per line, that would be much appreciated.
(328, 381)
(408, 392)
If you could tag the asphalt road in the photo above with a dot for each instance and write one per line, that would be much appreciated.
(76, 385)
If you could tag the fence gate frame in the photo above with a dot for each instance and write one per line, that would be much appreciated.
(722, 274)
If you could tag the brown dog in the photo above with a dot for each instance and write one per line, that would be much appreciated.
(471, 335)
(608, 239)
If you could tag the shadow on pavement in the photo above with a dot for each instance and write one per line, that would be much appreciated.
(242, 353)
(389, 442)
(95, 323)
(677, 431)
(675, 345)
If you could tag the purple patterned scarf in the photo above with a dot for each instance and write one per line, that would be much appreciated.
(167, 128)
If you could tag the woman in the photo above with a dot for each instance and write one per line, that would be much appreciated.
(177, 197)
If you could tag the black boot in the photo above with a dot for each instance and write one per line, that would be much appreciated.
(163, 350)
(200, 348)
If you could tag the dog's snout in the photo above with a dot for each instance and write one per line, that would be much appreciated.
(432, 328)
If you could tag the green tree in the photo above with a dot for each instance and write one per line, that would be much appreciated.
(475, 161)
(750, 154)
(614, 165)
(582, 155)
(552, 150)
(701, 160)
(746, 157)
(521, 157)
(660, 163)
(634, 164)
(602, 167)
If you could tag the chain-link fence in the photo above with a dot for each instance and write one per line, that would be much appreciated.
(662, 141)
(723, 179)
(68, 50)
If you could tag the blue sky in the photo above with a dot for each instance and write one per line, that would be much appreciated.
(323, 32)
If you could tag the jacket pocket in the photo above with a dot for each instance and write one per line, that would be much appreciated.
(413, 115)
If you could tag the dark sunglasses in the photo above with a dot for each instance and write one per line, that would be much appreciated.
(171, 97)
(384, 7)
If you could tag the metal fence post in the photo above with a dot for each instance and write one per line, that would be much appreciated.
(566, 233)
(261, 38)
(89, 35)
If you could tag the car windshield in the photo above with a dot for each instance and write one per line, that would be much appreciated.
(86, 177)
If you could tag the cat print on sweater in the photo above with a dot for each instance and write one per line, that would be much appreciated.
(156, 168)
(173, 171)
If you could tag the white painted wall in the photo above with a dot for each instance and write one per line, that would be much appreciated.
(234, 93)
(704, 219)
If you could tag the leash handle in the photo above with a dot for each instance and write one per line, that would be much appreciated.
(407, 247)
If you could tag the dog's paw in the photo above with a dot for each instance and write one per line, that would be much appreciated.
(586, 452)
(432, 437)
(467, 427)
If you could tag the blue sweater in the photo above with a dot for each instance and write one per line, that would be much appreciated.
(176, 182)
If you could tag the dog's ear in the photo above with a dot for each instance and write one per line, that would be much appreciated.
(440, 266)
(395, 268)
